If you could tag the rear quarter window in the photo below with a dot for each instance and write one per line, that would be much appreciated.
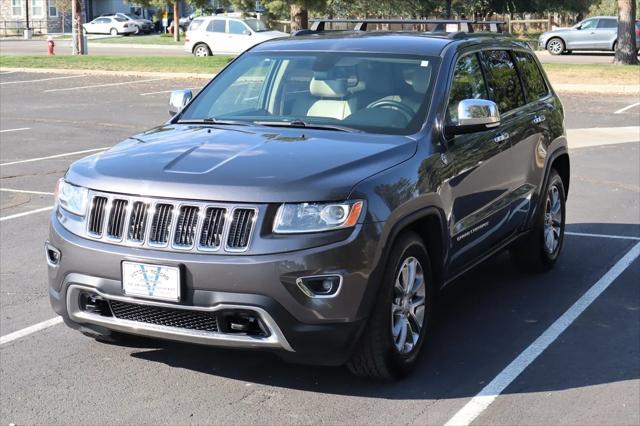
(195, 24)
(502, 79)
(532, 78)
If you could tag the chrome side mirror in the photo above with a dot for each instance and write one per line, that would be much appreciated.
(474, 115)
(178, 99)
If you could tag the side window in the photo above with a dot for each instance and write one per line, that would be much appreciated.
(589, 24)
(216, 26)
(607, 23)
(502, 79)
(531, 76)
(236, 27)
(467, 83)
(195, 24)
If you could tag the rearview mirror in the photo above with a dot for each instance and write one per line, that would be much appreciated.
(178, 99)
(474, 115)
(246, 32)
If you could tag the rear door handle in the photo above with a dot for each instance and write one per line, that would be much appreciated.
(538, 119)
(501, 137)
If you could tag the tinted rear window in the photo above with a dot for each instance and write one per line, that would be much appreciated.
(531, 76)
(502, 79)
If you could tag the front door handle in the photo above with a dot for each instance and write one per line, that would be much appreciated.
(501, 137)
(538, 119)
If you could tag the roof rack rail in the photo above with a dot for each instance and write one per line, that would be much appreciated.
(438, 25)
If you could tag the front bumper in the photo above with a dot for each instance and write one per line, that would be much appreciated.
(304, 329)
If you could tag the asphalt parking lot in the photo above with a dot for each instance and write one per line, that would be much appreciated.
(487, 322)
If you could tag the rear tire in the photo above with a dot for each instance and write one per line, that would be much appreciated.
(201, 49)
(403, 308)
(113, 32)
(556, 46)
(540, 249)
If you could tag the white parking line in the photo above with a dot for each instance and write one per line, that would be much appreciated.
(22, 191)
(66, 154)
(104, 85)
(489, 393)
(15, 130)
(615, 237)
(156, 93)
(30, 330)
(42, 79)
(628, 107)
(7, 72)
(17, 215)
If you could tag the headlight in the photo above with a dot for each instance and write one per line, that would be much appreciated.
(72, 198)
(316, 217)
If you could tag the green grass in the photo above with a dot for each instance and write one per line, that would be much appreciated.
(558, 73)
(186, 64)
(161, 39)
(593, 73)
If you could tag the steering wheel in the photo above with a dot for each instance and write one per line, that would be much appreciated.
(398, 106)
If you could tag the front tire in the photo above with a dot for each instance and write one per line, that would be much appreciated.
(391, 342)
(201, 49)
(540, 249)
(556, 46)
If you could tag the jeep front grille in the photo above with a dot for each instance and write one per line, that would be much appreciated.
(170, 224)
(96, 219)
(211, 235)
(160, 224)
(138, 221)
(186, 226)
(240, 230)
(115, 226)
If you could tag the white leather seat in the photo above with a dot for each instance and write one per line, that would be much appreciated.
(334, 101)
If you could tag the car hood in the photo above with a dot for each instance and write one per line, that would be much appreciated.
(557, 31)
(272, 34)
(241, 164)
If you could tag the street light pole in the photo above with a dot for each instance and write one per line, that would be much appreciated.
(27, 13)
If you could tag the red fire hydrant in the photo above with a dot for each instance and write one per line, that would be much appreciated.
(50, 45)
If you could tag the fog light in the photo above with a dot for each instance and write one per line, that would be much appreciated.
(52, 254)
(320, 286)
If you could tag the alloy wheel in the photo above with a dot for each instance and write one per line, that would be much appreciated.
(408, 306)
(552, 220)
(555, 47)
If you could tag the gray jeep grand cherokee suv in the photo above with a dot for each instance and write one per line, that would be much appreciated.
(314, 197)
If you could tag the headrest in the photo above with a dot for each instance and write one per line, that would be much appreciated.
(419, 79)
(328, 88)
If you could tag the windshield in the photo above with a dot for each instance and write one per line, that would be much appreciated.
(257, 25)
(378, 93)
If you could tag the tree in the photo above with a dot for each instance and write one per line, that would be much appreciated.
(64, 10)
(626, 49)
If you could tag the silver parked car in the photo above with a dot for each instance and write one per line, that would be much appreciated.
(596, 33)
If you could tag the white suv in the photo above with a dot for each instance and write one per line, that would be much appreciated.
(224, 35)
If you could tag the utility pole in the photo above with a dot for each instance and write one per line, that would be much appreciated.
(176, 20)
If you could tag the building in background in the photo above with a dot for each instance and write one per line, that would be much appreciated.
(44, 17)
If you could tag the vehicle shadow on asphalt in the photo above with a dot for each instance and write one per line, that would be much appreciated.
(484, 320)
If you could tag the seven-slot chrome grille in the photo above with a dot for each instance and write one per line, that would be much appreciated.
(170, 224)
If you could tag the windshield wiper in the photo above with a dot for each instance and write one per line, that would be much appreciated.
(306, 125)
(213, 120)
